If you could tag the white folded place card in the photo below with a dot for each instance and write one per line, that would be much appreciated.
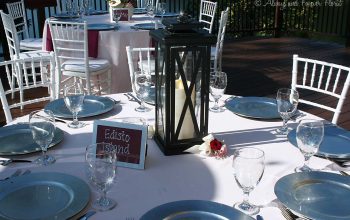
(129, 141)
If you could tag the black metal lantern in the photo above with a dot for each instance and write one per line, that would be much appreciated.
(182, 70)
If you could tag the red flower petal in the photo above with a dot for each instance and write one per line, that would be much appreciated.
(215, 145)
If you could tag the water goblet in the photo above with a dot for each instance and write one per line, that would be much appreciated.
(74, 98)
(151, 12)
(143, 84)
(42, 126)
(248, 168)
(162, 9)
(287, 103)
(69, 7)
(218, 83)
(101, 170)
(309, 135)
(116, 17)
(86, 4)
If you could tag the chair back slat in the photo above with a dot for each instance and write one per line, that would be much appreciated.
(325, 78)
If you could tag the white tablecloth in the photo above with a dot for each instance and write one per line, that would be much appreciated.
(112, 43)
(191, 176)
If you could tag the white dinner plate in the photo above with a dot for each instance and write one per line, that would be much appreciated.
(335, 144)
(101, 27)
(93, 105)
(315, 195)
(17, 139)
(42, 196)
(194, 209)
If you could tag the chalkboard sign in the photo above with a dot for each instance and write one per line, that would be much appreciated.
(129, 140)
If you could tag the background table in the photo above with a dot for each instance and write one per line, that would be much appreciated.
(112, 43)
(191, 176)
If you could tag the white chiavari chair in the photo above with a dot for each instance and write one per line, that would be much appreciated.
(207, 14)
(40, 76)
(18, 12)
(328, 80)
(70, 43)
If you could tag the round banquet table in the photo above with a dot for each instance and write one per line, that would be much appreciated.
(112, 43)
(182, 177)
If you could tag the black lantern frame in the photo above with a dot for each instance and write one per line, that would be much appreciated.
(182, 61)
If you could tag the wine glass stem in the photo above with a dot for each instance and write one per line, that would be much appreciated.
(246, 197)
(75, 118)
(216, 105)
(43, 150)
(142, 105)
(306, 161)
(103, 199)
(284, 126)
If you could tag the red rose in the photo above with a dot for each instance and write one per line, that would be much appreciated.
(215, 145)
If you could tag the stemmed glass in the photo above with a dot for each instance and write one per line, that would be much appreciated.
(116, 17)
(142, 83)
(69, 7)
(162, 9)
(287, 103)
(151, 12)
(101, 163)
(74, 98)
(86, 7)
(309, 136)
(248, 169)
(218, 83)
(42, 126)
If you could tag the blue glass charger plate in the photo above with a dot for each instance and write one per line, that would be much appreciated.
(194, 209)
(335, 144)
(138, 11)
(98, 12)
(93, 105)
(253, 107)
(65, 16)
(146, 26)
(315, 195)
(45, 195)
(167, 14)
(101, 27)
(17, 139)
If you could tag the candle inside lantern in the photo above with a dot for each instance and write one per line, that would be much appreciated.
(187, 128)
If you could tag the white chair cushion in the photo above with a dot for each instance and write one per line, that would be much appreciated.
(79, 65)
(37, 53)
(145, 66)
(31, 44)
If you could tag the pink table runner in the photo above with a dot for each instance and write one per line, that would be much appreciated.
(92, 42)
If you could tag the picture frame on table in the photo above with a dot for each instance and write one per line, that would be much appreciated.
(130, 141)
